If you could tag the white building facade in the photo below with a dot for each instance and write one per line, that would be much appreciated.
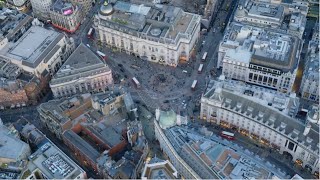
(83, 72)
(41, 8)
(182, 167)
(266, 116)
(164, 35)
(39, 51)
(259, 56)
(278, 15)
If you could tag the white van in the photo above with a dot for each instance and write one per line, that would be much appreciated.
(184, 71)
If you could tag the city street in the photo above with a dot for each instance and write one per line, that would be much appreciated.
(167, 87)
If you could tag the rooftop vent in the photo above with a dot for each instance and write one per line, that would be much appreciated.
(155, 32)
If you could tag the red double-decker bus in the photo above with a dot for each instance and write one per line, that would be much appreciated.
(227, 135)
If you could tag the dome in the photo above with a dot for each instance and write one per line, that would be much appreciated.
(167, 119)
(106, 9)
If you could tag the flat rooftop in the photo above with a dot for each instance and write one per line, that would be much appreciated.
(268, 48)
(53, 163)
(160, 22)
(11, 147)
(159, 169)
(265, 10)
(33, 47)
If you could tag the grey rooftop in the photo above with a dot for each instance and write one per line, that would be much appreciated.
(81, 63)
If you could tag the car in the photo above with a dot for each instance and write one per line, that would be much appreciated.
(120, 65)
(122, 70)
(88, 45)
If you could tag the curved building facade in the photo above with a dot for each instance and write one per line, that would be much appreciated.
(161, 34)
(267, 116)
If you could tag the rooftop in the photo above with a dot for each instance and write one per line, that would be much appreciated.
(219, 159)
(268, 48)
(82, 145)
(33, 47)
(265, 10)
(8, 69)
(81, 63)
(157, 23)
(11, 21)
(64, 7)
(159, 169)
(59, 107)
(107, 134)
(11, 148)
(53, 163)
(312, 69)
(273, 109)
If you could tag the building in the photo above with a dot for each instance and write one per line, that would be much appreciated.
(9, 70)
(61, 114)
(12, 149)
(41, 8)
(18, 88)
(309, 88)
(131, 163)
(310, 81)
(38, 51)
(260, 13)
(259, 56)
(208, 157)
(173, 155)
(108, 103)
(278, 15)
(13, 25)
(204, 8)
(49, 162)
(266, 116)
(90, 142)
(30, 134)
(162, 34)
(213, 158)
(86, 4)
(169, 119)
(66, 16)
(12, 94)
(83, 72)
(20, 5)
(159, 169)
